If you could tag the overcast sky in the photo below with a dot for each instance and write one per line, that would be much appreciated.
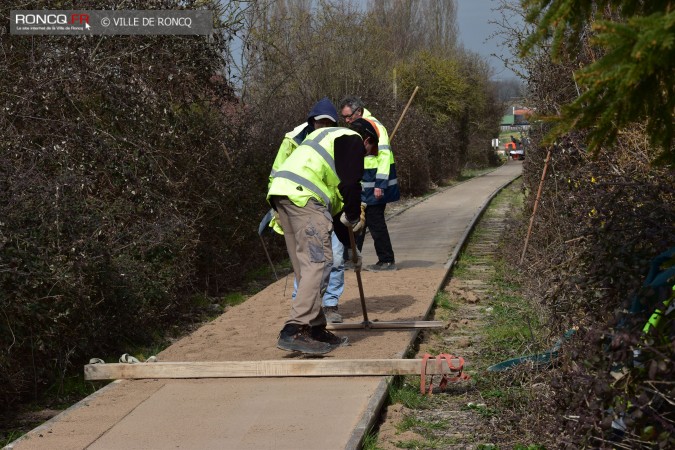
(473, 18)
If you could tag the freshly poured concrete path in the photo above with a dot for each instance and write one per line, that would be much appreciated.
(282, 413)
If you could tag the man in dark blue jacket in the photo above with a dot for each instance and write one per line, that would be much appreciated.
(380, 185)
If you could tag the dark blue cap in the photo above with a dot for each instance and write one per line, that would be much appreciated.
(323, 109)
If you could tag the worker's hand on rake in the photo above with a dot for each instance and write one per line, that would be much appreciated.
(356, 226)
(359, 261)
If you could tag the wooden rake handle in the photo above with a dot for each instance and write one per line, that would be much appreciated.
(355, 258)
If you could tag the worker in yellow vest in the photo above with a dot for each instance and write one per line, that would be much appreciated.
(323, 109)
(316, 190)
(380, 186)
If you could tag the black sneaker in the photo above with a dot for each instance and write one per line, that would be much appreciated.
(332, 314)
(382, 267)
(298, 338)
(322, 335)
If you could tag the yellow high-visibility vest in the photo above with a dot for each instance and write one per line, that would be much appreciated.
(309, 172)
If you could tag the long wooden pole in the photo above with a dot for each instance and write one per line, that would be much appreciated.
(391, 138)
(536, 203)
(268, 368)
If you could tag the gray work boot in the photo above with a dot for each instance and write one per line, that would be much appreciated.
(332, 315)
(382, 267)
(298, 338)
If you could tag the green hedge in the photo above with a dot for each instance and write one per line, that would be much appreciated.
(125, 185)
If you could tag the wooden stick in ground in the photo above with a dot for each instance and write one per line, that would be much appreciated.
(268, 258)
(391, 138)
(536, 202)
(352, 243)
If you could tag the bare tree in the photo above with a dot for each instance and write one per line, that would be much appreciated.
(416, 25)
(439, 21)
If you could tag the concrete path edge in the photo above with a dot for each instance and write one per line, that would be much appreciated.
(84, 402)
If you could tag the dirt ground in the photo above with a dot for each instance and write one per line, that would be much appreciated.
(450, 418)
(261, 322)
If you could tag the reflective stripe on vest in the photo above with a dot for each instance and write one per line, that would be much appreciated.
(296, 136)
(308, 167)
(306, 183)
(383, 143)
(371, 184)
(314, 143)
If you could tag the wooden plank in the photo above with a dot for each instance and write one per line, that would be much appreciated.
(267, 368)
(386, 325)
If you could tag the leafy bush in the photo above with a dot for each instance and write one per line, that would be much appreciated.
(599, 223)
(123, 184)
(598, 226)
(603, 216)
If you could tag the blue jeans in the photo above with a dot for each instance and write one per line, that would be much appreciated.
(336, 282)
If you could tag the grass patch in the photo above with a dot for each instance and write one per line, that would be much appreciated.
(514, 326)
(420, 426)
(370, 441)
(259, 272)
(233, 299)
(510, 397)
(493, 393)
(442, 301)
(467, 174)
(9, 436)
(514, 199)
(69, 389)
(417, 444)
(508, 325)
(463, 266)
(144, 353)
(482, 409)
(406, 391)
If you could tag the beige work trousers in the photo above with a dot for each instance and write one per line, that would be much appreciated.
(307, 232)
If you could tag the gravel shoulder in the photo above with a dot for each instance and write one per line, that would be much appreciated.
(471, 414)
